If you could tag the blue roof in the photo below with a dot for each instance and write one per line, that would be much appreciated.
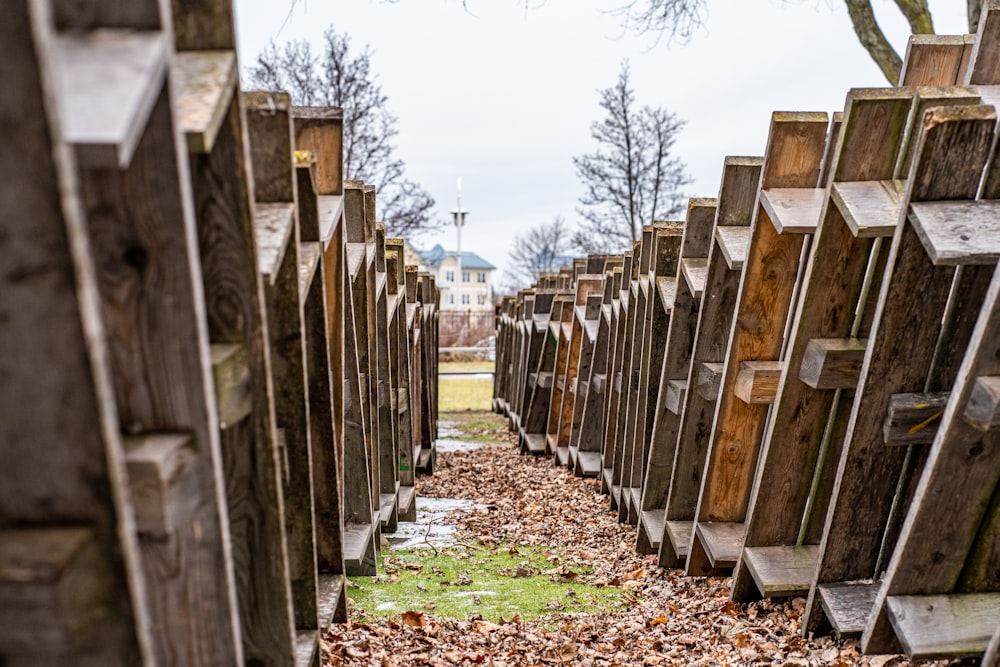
(470, 260)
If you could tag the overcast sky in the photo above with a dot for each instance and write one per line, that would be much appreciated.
(503, 97)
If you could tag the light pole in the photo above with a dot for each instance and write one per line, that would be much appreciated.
(458, 218)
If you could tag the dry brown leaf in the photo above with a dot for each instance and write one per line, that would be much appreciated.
(414, 619)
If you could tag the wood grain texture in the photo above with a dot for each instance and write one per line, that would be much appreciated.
(757, 381)
(870, 208)
(783, 571)
(156, 463)
(983, 407)
(958, 233)
(945, 626)
(108, 82)
(321, 131)
(908, 330)
(736, 203)
(694, 271)
(204, 83)
(203, 25)
(735, 244)
(933, 60)
(144, 240)
(270, 128)
(234, 306)
(830, 288)
(49, 309)
(696, 242)
(847, 606)
(666, 261)
(984, 62)
(793, 159)
(793, 210)
(913, 419)
(952, 502)
(832, 363)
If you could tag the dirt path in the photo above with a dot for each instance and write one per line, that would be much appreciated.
(669, 619)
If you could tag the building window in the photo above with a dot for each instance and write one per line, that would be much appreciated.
(451, 299)
(449, 276)
(465, 277)
(482, 298)
(481, 277)
(465, 299)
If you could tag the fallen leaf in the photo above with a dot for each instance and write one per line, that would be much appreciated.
(414, 619)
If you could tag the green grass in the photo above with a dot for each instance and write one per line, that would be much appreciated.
(466, 367)
(477, 426)
(460, 582)
(458, 394)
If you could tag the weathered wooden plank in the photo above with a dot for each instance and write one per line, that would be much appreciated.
(870, 208)
(204, 83)
(52, 581)
(233, 393)
(679, 535)
(722, 542)
(757, 381)
(234, 307)
(982, 410)
(793, 210)
(848, 606)
(958, 233)
(908, 329)
(871, 133)
(933, 60)
(781, 571)
(913, 419)
(49, 310)
(944, 626)
(735, 244)
(738, 196)
(108, 82)
(832, 363)
(709, 376)
(675, 367)
(667, 289)
(273, 225)
(321, 131)
(984, 62)
(143, 231)
(793, 159)
(309, 254)
(695, 271)
(675, 390)
(156, 464)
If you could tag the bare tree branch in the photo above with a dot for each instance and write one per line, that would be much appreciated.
(873, 39)
(632, 179)
(338, 78)
(542, 249)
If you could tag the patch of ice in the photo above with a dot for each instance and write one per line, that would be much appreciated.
(448, 445)
(429, 528)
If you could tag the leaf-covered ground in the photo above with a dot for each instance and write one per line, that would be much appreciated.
(669, 619)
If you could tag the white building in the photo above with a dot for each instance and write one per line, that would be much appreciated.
(470, 291)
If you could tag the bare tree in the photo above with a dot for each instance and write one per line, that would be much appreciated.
(632, 179)
(677, 19)
(341, 79)
(541, 249)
